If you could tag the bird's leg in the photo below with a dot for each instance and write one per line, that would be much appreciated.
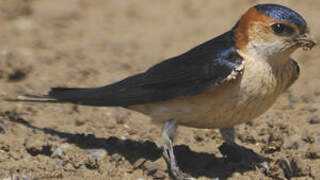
(229, 135)
(238, 152)
(168, 133)
(229, 148)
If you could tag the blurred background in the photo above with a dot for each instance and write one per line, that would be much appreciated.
(80, 43)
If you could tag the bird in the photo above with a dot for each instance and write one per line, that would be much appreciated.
(226, 81)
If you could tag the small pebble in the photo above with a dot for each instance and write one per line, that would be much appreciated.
(116, 157)
(314, 109)
(313, 152)
(25, 177)
(15, 177)
(97, 153)
(198, 138)
(236, 174)
(314, 120)
(159, 174)
(293, 144)
(315, 171)
(24, 24)
(123, 138)
(139, 163)
(58, 153)
(151, 167)
(306, 137)
(83, 167)
(68, 167)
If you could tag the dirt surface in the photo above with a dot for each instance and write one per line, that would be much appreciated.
(46, 43)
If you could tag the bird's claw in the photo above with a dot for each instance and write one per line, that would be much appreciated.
(264, 167)
(174, 170)
(235, 153)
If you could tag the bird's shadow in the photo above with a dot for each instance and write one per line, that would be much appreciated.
(197, 164)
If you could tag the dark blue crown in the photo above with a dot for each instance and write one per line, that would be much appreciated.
(282, 13)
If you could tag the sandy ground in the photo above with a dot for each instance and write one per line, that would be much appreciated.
(46, 43)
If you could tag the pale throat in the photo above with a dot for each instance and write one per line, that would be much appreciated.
(274, 53)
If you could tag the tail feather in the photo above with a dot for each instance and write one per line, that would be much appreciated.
(127, 92)
(122, 93)
(85, 96)
(36, 96)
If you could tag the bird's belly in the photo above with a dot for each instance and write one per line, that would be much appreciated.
(235, 102)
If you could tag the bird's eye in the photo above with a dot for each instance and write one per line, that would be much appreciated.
(282, 29)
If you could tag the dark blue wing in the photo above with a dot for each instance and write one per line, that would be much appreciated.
(191, 73)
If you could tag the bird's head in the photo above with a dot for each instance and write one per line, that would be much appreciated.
(272, 32)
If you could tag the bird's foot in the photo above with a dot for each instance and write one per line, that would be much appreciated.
(174, 170)
(243, 156)
(168, 132)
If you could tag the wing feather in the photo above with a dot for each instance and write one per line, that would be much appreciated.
(191, 73)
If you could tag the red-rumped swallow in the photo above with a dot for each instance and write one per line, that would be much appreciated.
(228, 80)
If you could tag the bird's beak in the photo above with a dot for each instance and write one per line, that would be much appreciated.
(306, 41)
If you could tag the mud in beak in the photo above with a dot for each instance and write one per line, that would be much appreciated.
(306, 41)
